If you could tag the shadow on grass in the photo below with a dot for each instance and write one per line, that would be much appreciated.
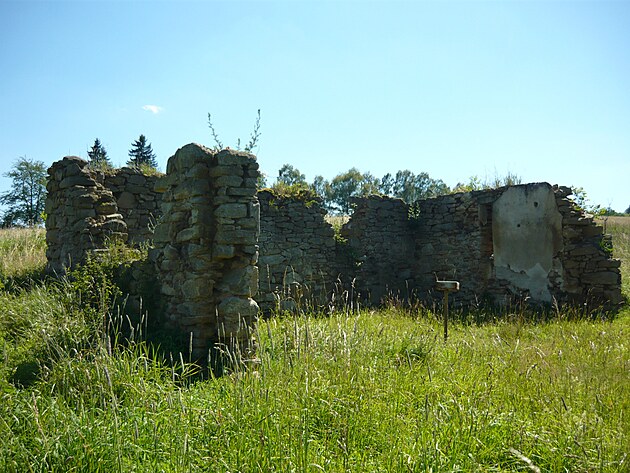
(26, 281)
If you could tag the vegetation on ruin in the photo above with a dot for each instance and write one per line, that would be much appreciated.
(251, 144)
(293, 192)
(350, 391)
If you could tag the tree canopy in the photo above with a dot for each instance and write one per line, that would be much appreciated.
(337, 194)
(141, 154)
(290, 176)
(26, 199)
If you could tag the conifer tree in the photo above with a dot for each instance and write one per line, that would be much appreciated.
(141, 154)
(98, 156)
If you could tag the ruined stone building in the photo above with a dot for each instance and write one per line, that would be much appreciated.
(221, 250)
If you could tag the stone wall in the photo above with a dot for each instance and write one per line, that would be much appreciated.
(525, 243)
(378, 239)
(519, 243)
(297, 247)
(589, 271)
(203, 216)
(86, 208)
(82, 214)
(137, 201)
(452, 236)
(205, 246)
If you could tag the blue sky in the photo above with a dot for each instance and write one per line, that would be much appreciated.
(455, 89)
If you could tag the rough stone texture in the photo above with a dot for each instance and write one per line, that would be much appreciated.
(206, 246)
(451, 243)
(85, 208)
(137, 201)
(590, 275)
(204, 219)
(520, 243)
(526, 242)
(378, 245)
(82, 214)
(298, 258)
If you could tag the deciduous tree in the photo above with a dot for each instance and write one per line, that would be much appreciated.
(344, 186)
(25, 201)
(290, 176)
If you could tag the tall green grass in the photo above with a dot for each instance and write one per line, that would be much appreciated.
(22, 254)
(364, 391)
(619, 228)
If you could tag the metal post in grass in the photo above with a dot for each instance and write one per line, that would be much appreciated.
(446, 287)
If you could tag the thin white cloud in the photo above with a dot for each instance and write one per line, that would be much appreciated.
(154, 109)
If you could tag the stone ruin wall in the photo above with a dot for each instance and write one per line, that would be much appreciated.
(449, 244)
(513, 243)
(589, 270)
(297, 254)
(203, 218)
(526, 242)
(137, 202)
(82, 214)
(85, 208)
(378, 245)
(205, 249)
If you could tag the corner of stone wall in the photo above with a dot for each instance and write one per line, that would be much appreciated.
(591, 275)
(205, 246)
(82, 215)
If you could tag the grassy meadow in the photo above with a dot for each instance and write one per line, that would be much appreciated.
(619, 228)
(367, 391)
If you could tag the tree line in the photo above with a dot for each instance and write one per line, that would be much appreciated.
(337, 194)
(25, 200)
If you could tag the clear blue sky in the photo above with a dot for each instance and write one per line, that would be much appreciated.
(539, 89)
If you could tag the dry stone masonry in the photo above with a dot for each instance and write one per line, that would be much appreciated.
(205, 246)
(519, 243)
(377, 242)
(82, 214)
(137, 201)
(297, 250)
(203, 218)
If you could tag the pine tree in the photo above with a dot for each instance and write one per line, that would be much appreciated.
(141, 154)
(98, 156)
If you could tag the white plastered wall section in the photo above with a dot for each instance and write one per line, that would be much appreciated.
(527, 237)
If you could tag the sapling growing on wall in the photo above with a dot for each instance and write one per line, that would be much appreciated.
(251, 144)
